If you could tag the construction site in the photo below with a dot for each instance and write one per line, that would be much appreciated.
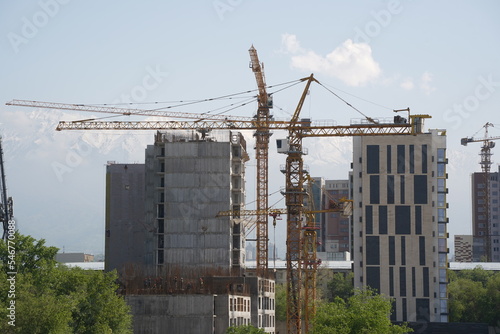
(177, 225)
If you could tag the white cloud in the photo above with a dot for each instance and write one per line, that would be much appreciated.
(350, 62)
(407, 84)
(425, 83)
(290, 43)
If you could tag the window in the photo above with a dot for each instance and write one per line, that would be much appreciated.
(441, 230)
(441, 215)
(372, 250)
(425, 278)
(441, 170)
(382, 219)
(401, 159)
(441, 155)
(442, 291)
(392, 251)
(372, 157)
(389, 159)
(441, 186)
(373, 277)
(391, 281)
(421, 244)
(390, 189)
(418, 220)
(412, 159)
(442, 246)
(403, 224)
(442, 259)
(374, 189)
(402, 188)
(369, 219)
(441, 200)
(424, 159)
(403, 251)
(402, 281)
(420, 189)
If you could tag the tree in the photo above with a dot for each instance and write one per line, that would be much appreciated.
(280, 302)
(248, 329)
(474, 296)
(341, 286)
(364, 312)
(51, 298)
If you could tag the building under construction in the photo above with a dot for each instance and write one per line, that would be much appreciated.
(180, 266)
(485, 216)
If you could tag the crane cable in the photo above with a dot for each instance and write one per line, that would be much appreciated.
(350, 105)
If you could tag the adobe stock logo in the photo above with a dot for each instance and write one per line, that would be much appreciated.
(381, 19)
(461, 111)
(31, 26)
(223, 6)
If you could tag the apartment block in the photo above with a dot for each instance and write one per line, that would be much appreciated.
(486, 228)
(400, 222)
(334, 228)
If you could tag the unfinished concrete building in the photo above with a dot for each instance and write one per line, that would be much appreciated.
(191, 275)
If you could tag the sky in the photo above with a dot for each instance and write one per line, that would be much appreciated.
(437, 58)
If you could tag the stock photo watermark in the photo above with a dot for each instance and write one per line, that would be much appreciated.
(11, 272)
(153, 78)
(459, 112)
(222, 7)
(31, 26)
(380, 19)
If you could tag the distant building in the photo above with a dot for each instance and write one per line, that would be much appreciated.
(463, 248)
(74, 257)
(400, 222)
(334, 227)
(484, 236)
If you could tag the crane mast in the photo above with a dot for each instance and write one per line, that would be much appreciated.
(262, 135)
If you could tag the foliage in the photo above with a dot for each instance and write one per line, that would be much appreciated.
(474, 296)
(51, 298)
(280, 302)
(248, 329)
(341, 286)
(363, 312)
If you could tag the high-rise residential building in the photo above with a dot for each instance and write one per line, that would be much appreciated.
(400, 222)
(485, 228)
(463, 248)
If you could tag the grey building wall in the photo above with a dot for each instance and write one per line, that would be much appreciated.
(126, 228)
(189, 180)
(400, 223)
(173, 313)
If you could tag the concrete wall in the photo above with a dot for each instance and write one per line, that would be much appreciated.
(172, 313)
(125, 224)
(188, 182)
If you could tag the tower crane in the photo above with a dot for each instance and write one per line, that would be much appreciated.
(485, 162)
(262, 135)
(297, 129)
